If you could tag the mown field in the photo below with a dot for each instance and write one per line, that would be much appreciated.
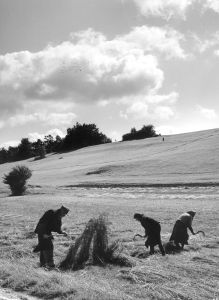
(187, 162)
(191, 274)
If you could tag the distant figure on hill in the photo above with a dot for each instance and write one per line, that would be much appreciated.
(163, 139)
(179, 234)
(152, 232)
(50, 222)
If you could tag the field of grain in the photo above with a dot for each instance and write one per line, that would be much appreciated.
(159, 179)
(191, 274)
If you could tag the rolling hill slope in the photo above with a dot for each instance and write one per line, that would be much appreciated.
(188, 158)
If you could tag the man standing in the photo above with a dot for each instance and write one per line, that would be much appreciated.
(180, 234)
(50, 222)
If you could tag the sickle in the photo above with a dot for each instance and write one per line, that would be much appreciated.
(142, 236)
(200, 231)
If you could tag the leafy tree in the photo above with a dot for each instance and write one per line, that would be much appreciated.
(133, 131)
(77, 137)
(39, 149)
(49, 143)
(58, 144)
(16, 179)
(42, 151)
(3, 155)
(12, 153)
(24, 149)
(145, 132)
(82, 135)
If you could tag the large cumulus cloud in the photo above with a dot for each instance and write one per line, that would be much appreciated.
(151, 107)
(166, 8)
(174, 8)
(86, 69)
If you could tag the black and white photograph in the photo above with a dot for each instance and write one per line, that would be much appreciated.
(109, 149)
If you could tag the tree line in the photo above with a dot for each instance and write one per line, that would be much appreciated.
(147, 131)
(79, 136)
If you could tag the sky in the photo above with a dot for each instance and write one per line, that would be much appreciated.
(116, 63)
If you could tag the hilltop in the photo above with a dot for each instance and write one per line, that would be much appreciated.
(189, 158)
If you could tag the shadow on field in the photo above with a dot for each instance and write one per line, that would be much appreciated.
(203, 260)
(169, 247)
(212, 245)
(99, 171)
(140, 254)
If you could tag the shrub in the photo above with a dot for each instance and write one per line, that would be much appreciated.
(16, 179)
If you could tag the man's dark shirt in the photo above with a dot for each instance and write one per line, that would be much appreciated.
(150, 225)
(49, 222)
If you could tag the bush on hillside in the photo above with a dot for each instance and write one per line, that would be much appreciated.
(16, 179)
(145, 132)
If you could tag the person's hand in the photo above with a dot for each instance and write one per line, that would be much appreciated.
(47, 236)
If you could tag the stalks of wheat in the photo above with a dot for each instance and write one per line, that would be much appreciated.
(93, 245)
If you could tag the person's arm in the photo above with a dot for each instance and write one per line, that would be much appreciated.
(64, 233)
(57, 227)
(190, 225)
(191, 229)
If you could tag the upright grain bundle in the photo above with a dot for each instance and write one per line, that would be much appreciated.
(93, 246)
(100, 241)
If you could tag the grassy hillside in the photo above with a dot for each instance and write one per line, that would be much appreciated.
(191, 274)
(182, 158)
